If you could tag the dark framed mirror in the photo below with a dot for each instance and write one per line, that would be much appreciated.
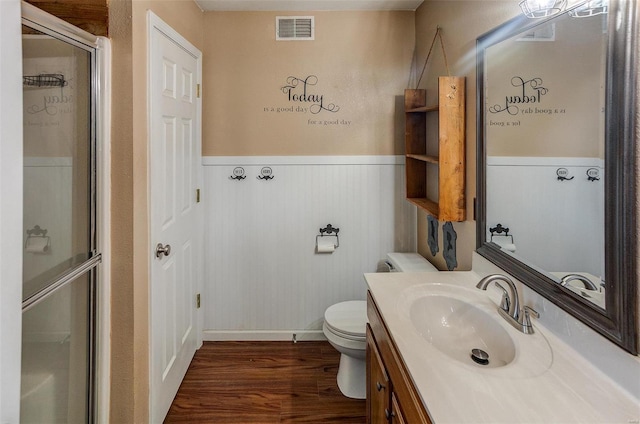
(556, 160)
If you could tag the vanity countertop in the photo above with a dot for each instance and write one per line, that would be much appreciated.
(571, 390)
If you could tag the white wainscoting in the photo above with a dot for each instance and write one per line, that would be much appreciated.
(48, 183)
(263, 279)
(565, 234)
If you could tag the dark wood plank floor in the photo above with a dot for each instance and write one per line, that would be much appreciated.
(264, 383)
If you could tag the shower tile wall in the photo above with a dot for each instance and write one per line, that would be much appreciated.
(262, 274)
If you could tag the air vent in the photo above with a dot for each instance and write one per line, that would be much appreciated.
(546, 33)
(294, 28)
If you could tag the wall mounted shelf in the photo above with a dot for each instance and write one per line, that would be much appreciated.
(450, 183)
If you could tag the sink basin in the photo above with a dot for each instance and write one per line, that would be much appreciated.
(463, 324)
(456, 327)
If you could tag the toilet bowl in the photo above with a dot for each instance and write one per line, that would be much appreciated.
(345, 325)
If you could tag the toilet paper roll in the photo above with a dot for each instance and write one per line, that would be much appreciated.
(37, 245)
(326, 245)
(504, 243)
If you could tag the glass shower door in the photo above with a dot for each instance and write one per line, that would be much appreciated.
(59, 251)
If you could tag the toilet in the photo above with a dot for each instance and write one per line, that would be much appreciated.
(345, 326)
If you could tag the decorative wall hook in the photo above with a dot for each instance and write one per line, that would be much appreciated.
(266, 174)
(593, 174)
(238, 174)
(562, 174)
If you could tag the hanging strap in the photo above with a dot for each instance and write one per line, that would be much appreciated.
(438, 35)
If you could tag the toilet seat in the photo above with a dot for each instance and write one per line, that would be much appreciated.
(347, 319)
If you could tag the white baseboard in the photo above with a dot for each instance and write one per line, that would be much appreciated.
(262, 335)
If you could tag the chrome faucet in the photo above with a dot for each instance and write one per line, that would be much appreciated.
(588, 284)
(509, 307)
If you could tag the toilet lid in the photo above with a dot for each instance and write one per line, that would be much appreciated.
(349, 317)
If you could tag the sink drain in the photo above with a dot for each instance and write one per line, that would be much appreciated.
(480, 356)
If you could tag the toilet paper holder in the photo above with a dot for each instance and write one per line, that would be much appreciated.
(498, 230)
(37, 232)
(329, 231)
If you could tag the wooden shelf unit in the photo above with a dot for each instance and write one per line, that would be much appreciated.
(450, 205)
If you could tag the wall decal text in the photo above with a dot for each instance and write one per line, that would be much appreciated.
(529, 92)
(299, 90)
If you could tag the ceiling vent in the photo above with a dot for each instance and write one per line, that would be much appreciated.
(295, 28)
(546, 33)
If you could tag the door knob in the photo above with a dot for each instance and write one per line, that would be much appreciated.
(162, 250)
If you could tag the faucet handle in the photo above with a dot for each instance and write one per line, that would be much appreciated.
(527, 328)
(505, 302)
(530, 311)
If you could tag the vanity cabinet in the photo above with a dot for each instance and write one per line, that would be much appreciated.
(447, 153)
(391, 396)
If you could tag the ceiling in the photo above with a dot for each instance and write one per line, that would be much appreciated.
(306, 5)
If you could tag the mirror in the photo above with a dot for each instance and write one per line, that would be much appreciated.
(556, 161)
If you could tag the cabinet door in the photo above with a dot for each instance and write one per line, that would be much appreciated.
(396, 414)
(378, 386)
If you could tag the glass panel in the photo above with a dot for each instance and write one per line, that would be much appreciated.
(545, 145)
(57, 148)
(56, 356)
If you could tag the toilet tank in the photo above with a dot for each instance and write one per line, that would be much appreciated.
(408, 262)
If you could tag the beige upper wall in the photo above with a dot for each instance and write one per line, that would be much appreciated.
(361, 61)
(568, 119)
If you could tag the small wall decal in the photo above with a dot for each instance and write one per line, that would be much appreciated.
(449, 238)
(238, 174)
(432, 238)
(266, 174)
(563, 174)
(593, 174)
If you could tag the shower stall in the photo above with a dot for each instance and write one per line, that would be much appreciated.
(61, 254)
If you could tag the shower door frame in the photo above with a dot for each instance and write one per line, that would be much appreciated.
(97, 264)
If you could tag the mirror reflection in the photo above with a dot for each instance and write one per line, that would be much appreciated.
(545, 129)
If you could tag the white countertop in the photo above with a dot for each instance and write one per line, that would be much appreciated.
(570, 390)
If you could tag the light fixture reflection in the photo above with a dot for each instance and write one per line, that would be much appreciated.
(591, 8)
(542, 8)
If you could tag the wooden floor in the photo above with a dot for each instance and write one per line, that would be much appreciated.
(264, 383)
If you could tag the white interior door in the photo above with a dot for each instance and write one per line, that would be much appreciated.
(175, 234)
